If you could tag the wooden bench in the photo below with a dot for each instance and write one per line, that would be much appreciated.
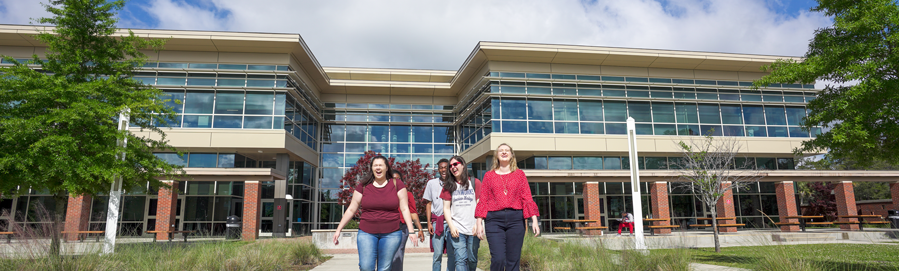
(171, 234)
(786, 223)
(562, 228)
(719, 225)
(664, 226)
(652, 232)
(861, 223)
(99, 233)
(581, 230)
(819, 223)
(8, 235)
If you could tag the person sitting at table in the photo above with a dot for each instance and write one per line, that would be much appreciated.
(627, 220)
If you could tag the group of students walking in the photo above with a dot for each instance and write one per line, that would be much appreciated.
(462, 210)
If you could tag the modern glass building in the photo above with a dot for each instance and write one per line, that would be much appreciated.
(268, 132)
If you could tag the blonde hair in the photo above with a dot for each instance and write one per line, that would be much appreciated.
(513, 163)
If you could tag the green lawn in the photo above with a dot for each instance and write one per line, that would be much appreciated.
(814, 256)
(217, 255)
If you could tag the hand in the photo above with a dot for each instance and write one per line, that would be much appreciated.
(414, 240)
(430, 229)
(421, 236)
(336, 237)
(479, 229)
(454, 232)
(535, 227)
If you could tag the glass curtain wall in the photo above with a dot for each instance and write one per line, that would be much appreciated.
(404, 138)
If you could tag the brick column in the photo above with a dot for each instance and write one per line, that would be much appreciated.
(658, 201)
(166, 205)
(251, 211)
(894, 192)
(78, 215)
(591, 205)
(845, 197)
(725, 208)
(786, 204)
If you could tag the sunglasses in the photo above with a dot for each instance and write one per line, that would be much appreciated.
(455, 164)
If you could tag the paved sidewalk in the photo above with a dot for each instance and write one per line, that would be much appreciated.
(345, 262)
(422, 261)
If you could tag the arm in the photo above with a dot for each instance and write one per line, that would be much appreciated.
(428, 210)
(421, 233)
(448, 217)
(404, 211)
(528, 204)
(348, 214)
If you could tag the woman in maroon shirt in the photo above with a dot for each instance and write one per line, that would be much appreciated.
(505, 203)
(382, 202)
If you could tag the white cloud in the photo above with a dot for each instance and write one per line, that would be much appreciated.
(441, 34)
(21, 11)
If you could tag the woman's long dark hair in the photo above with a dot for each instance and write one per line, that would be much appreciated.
(370, 176)
(450, 183)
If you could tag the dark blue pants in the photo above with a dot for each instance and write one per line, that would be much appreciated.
(505, 235)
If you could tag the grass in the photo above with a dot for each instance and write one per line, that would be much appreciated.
(872, 257)
(260, 255)
(545, 254)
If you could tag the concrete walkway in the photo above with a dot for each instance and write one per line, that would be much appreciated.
(422, 261)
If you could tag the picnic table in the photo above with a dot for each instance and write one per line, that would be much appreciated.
(719, 225)
(802, 221)
(651, 227)
(171, 234)
(80, 236)
(861, 220)
(584, 227)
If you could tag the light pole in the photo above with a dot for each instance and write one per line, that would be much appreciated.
(115, 194)
(640, 243)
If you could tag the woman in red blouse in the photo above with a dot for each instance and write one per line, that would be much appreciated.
(505, 203)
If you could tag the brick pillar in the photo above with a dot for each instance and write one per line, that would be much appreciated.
(166, 209)
(845, 197)
(786, 204)
(78, 215)
(725, 208)
(894, 191)
(658, 200)
(591, 206)
(251, 211)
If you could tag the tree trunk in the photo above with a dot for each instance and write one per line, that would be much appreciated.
(715, 228)
(62, 199)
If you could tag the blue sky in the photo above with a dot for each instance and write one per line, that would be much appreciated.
(440, 34)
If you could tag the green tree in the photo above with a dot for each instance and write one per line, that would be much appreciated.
(58, 130)
(863, 190)
(860, 53)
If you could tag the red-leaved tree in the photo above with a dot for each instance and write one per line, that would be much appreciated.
(415, 176)
(822, 201)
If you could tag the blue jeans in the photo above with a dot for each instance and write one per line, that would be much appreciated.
(438, 241)
(377, 248)
(466, 250)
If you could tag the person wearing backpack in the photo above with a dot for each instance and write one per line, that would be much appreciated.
(460, 198)
(382, 202)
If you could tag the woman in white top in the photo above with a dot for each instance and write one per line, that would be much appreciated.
(460, 198)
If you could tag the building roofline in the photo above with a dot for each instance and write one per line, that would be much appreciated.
(482, 53)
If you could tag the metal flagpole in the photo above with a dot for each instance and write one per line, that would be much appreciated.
(640, 243)
(115, 194)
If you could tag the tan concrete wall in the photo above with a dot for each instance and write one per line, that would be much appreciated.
(236, 140)
(622, 71)
(387, 99)
(526, 145)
